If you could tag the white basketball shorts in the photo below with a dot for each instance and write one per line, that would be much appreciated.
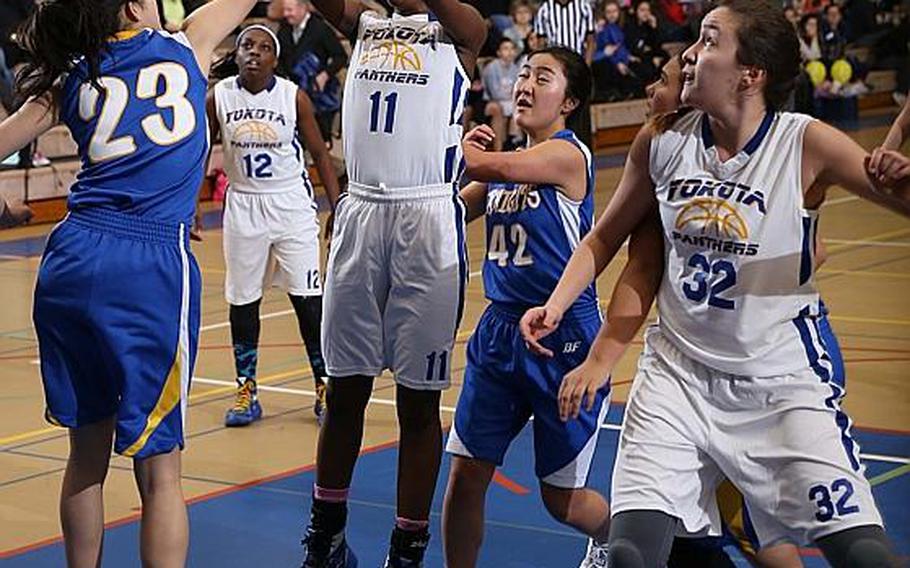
(395, 284)
(783, 441)
(270, 239)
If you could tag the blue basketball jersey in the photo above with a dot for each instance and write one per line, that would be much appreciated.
(531, 234)
(143, 136)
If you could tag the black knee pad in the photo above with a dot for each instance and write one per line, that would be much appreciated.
(624, 554)
(859, 547)
(245, 323)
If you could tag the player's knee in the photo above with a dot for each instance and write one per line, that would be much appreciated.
(417, 410)
(307, 307)
(158, 474)
(468, 478)
(557, 501)
(860, 547)
(624, 553)
(348, 396)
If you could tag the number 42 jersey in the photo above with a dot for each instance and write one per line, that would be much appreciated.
(532, 231)
(403, 100)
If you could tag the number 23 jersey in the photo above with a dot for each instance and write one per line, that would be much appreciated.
(142, 137)
(739, 246)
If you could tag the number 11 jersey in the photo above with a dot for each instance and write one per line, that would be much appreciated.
(403, 100)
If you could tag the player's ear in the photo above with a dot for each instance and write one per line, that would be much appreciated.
(132, 10)
(569, 104)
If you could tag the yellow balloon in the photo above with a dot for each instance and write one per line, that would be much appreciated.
(816, 71)
(841, 71)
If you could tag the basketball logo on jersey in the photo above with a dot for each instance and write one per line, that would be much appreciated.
(714, 214)
(255, 132)
(392, 55)
(389, 56)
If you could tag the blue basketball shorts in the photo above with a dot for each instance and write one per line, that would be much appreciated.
(116, 311)
(505, 385)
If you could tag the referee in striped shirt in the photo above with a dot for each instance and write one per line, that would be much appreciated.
(569, 23)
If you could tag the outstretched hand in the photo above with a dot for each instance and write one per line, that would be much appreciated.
(579, 387)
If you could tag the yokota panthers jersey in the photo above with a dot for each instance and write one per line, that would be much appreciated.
(142, 137)
(532, 231)
(403, 100)
(261, 151)
(739, 245)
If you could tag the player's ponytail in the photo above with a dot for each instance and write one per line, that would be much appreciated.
(58, 34)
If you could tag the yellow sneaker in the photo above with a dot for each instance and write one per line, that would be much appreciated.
(246, 409)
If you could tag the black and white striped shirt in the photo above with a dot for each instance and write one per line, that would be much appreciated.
(566, 24)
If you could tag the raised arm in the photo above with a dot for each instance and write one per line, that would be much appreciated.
(32, 120)
(312, 140)
(633, 199)
(830, 157)
(465, 24)
(628, 309)
(343, 14)
(207, 27)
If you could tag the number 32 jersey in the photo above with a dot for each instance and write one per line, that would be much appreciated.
(142, 137)
(532, 231)
(737, 292)
(403, 100)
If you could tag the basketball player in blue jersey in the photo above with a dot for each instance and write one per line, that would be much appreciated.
(116, 306)
(271, 231)
(538, 204)
(736, 371)
(397, 269)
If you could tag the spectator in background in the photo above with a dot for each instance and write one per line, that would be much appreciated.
(522, 17)
(643, 40)
(173, 12)
(12, 14)
(312, 56)
(814, 6)
(792, 16)
(834, 34)
(809, 44)
(499, 78)
(614, 76)
(569, 23)
(694, 11)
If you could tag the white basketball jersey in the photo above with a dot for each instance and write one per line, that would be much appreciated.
(259, 135)
(739, 246)
(403, 100)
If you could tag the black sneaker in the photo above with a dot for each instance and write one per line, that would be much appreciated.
(407, 549)
(324, 551)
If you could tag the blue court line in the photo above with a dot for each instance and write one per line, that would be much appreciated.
(264, 519)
